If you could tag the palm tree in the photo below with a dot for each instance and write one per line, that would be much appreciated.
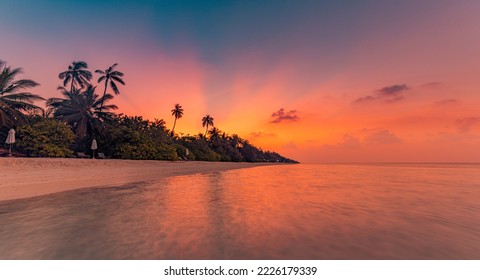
(225, 136)
(214, 133)
(236, 141)
(159, 123)
(77, 75)
(206, 121)
(47, 113)
(112, 76)
(82, 110)
(177, 112)
(14, 100)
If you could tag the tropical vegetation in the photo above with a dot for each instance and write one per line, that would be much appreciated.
(77, 75)
(177, 112)
(68, 124)
(45, 137)
(84, 110)
(15, 99)
(206, 121)
(110, 76)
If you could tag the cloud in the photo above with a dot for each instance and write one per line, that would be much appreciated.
(388, 94)
(365, 99)
(367, 137)
(382, 136)
(466, 124)
(281, 115)
(393, 90)
(349, 141)
(449, 101)
(262, 135)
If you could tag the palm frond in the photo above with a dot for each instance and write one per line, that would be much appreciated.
(10, 116)
(62, 75)
(115, 78)
(19, 85)
(114, 87)
(24, 96)
(110, 107)
(80, 64)
(85, 74)
(67, 80)
(116, 73)
(54, 102)
(14, 102)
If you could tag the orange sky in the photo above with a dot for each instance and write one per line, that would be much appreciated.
(399, 87)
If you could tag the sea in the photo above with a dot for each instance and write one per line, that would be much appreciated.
(289, 211)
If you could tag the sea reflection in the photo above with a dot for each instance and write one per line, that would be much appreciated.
(272, 212)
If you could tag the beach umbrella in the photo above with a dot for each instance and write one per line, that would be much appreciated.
(94, 147)
(10, 139)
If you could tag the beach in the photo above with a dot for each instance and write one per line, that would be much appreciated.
(29, 177)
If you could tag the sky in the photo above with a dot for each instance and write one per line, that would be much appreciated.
(317, 81)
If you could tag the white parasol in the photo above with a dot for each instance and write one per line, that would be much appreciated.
(10, 139)
(94, 147)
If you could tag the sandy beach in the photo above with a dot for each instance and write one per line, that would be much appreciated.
(28, 177)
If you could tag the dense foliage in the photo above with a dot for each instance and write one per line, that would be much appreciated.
(83, 110)
(134, 138)
(45, 138)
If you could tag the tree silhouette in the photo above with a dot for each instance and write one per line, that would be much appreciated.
(214, 134)
(177, 112)
(82, 110)
(112, 76)
(15, 101)
(77, 75)
(206, 121)
(159, 123)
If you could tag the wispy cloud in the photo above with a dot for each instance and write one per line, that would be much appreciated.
(382, 136)
(282, 115)
(349, 141)
(262, 135)
(466, 124)
(432, 85)
(449, 101)
(393, 90)
(368, 137)
(386, 94)
(365, 99)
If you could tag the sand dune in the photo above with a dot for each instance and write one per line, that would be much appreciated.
(27, 177)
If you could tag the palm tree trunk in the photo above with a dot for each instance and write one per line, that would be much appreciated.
(206, 130)
(71, 86)
(104, 92)
(174, 123)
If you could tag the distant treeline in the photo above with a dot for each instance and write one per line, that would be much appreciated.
(69, 124)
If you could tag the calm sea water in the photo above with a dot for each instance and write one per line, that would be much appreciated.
(331, 211)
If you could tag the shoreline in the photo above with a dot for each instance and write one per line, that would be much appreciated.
(31, 177)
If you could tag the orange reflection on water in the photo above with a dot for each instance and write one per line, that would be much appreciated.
(409, 211)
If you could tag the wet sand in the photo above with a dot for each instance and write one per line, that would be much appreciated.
(29, 177)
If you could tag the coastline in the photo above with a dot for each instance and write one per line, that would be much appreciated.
(30, 177)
